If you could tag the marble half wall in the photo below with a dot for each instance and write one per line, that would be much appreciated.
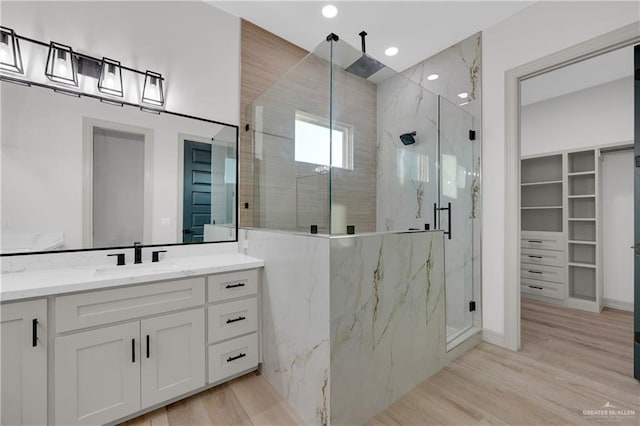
(295, 318)
(387, 320)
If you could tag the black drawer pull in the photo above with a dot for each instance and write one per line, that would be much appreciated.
(148, 350)
(233, 358)
(34, 332)
(229, 321)
(535, 272)
(133, 350)
(234, 285)
(536, 241)
(536, 287)
(537, 257)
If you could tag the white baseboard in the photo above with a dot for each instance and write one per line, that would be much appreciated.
(493, 337)
(615, 304)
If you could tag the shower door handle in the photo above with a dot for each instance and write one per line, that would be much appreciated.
(436, 209)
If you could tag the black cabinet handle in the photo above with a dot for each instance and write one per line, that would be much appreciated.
(234, 285)
(34, 332)
(133, 350)
(229, 321)
(536, 241)
(537, 257)
(535, 272)
(536, 287)
(233, 358)
(148, 350)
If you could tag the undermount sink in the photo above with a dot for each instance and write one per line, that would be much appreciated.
(145, 268)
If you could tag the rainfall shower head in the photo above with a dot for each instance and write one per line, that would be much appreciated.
(408, 138)
(365, 66)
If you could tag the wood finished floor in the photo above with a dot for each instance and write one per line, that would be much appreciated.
(570, 361)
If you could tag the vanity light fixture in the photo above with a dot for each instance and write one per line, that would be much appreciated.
(110, 81)
(10, 57)
(432, 77)
(61, 66)
(152, 93)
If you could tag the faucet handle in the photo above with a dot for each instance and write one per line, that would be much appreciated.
(120, 258)
(155, 255)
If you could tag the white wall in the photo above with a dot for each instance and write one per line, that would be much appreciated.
(195, 46)
(596, 116)
(617, 231)
(542, 29)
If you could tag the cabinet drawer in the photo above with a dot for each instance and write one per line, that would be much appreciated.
(543, 273)
(107, 306)
(543, 257)
(232, 357)
(232, 319)
(542, 288)
(542, 241)
(232, 285)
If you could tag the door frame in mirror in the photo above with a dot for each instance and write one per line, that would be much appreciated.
(88, 126)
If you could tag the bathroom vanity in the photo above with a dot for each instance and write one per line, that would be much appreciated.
(94, 345)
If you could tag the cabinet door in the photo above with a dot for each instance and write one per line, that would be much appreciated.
(24, 363)
(173, 358)
(97, 375)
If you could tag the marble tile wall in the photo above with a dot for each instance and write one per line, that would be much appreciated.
(387, 320)
(295, 318)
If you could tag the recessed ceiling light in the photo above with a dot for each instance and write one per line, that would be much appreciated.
(432, 77)
(463, 95)
(329, 11)
(391, 51)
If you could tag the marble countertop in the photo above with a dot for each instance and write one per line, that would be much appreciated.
(40, 283)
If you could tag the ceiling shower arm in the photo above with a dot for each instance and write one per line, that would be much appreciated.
(362, 35)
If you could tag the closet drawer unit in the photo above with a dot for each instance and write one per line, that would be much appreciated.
(106, 306)
(543, 257)
(232, 319)
(542, 241)
(542, 288)
(232, 357)
(543, 273)
(232, 285)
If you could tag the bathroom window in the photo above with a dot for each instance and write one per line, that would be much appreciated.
(312, 142)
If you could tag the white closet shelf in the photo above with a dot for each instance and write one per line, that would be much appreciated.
(592, 172)
(582, 265)
(548, 182)
(541, 208)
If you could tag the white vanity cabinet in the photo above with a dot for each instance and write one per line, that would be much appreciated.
(23, 328)
(112, 371)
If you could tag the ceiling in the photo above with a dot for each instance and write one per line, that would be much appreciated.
(582, 75)
(419, 29)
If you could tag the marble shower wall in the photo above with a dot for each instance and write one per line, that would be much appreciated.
(295, 318)
(387, 320)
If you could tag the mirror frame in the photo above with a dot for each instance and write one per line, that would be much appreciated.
(151, 110)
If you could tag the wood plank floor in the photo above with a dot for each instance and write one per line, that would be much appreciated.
(570, 361)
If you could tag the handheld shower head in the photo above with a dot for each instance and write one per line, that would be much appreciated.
(408, 138)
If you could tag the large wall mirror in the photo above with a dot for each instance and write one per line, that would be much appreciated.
(79, 174)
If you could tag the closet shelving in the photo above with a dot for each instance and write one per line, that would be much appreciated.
(560, 228)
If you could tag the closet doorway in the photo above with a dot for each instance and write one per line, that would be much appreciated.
(576, 212)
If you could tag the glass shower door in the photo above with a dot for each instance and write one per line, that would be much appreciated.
(456, 213)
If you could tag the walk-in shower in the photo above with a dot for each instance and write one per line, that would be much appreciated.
(344, 142)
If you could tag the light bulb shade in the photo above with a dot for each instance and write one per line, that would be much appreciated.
(10, 56)
(110, 81)
(152, 92)
(61, 66)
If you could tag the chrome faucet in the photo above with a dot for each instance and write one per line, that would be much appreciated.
(137, 252)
